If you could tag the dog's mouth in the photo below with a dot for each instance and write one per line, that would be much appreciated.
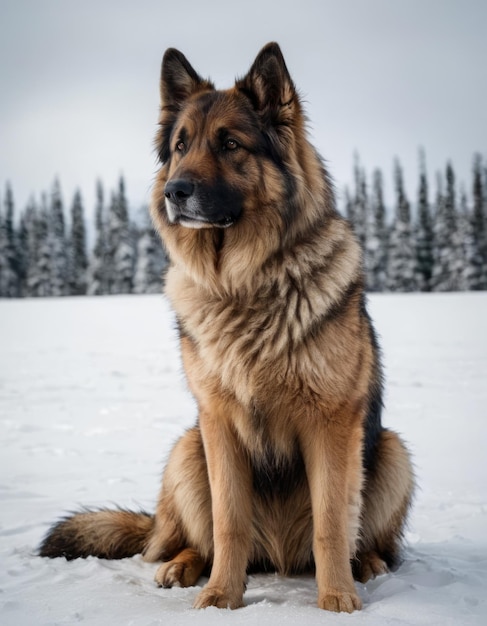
(183, 215)
(196, 221)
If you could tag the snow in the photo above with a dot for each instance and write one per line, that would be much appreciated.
(92, 398)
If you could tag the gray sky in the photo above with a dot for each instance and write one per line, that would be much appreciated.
(79, 82)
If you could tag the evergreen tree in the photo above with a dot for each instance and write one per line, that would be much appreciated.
(438, 235)
(472, 274)
(9, 267)
(401, 271)
(5, 275)
(30, 232)
(121, 253)
(12, 252)
(424, 234)
(448, 247)
(22, 255)
(79, 262)
(98, 270)
(151, 262)
(114, 227)
(458, 231)
(377, 238)
(56, 237)
(349, 214)
(40, 275)
(479, 224)
(360, 204)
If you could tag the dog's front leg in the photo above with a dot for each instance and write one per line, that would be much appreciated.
(332, 456)
(230, 484)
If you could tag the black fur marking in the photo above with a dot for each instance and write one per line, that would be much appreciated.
(206, 101)
(180, 329)
(336, 310)
(277, 477)
(372, 428)
(216, 202)
(163, 142)
(373, 425)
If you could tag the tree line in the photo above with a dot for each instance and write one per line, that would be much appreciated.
(437, 244)
(42, 254)
(440, 246)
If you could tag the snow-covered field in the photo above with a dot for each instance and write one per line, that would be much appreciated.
(92, 398)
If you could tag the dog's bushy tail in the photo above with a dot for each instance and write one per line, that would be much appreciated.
(105, 534)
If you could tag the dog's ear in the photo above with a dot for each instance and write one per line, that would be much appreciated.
(269, 86)
(179, 80)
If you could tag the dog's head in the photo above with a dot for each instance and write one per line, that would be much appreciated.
(238, 181)
(213, 144)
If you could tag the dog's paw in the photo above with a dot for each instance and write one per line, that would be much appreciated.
(339, 601)
(171, 574)
(211, 596)
(368, 565)
(183, 571)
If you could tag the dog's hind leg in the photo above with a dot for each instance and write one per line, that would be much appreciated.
(386, 500)
(182, 571)
(183, 513)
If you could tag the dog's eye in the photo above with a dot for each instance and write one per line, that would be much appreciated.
(230, 144)
(180, 146)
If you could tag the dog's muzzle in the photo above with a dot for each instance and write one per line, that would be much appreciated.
(189, 205)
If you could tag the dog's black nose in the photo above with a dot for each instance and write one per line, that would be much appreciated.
(178, 190)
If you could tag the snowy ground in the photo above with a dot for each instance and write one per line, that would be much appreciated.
(91, 400)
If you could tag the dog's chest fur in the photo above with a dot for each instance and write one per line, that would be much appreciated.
(245, 339)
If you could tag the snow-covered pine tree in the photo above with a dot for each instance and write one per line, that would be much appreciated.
(5, 272)
(377, 237)
(112, 234)
(448, 246)
(472, 274)
(348, 205)
(479, 223)
(457, 241)
(30, 231)
(78, 261)
(438, 229)
(41, 273)
(151, 261)
(12, 238)
(360, 204)
(59, 266)
(121, 253)
(9, 267)
(98, 264)
(424, 232)
(401, 269)
(22, 254)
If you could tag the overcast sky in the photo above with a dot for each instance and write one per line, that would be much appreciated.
(79, 82)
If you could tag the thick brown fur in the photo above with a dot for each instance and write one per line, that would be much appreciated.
(288, 467)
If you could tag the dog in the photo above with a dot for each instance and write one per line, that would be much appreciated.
(288, 467)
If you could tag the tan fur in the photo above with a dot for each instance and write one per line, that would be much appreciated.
(288, 467)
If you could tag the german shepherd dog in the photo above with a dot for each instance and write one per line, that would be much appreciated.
(288, 467)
